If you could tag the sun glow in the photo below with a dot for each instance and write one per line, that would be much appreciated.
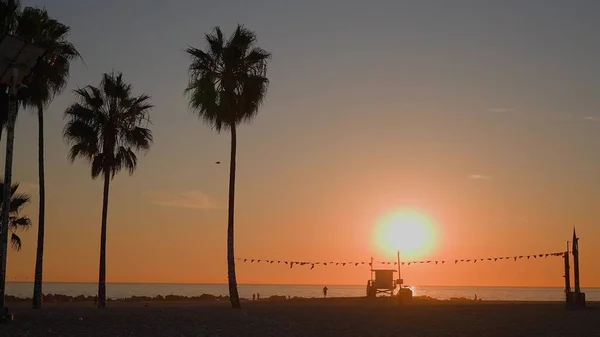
(410, 231)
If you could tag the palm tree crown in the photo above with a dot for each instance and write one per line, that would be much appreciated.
(104, 127)
(16, 222)
(228, 82)
(50, 74)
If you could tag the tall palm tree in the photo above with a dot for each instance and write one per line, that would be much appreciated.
(106, 128)
(47, 79)
(16, 222)
(227, 85)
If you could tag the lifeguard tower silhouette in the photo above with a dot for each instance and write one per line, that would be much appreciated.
(383, 282)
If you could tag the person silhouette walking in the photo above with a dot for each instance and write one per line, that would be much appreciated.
(325, 292)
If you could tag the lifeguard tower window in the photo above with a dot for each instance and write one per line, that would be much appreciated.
(384, 279)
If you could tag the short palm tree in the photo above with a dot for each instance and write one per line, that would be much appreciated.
(106, 128)
(227, 85)
(47, 79)
(16, 222)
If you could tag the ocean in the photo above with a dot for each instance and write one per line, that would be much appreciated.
(120, 290)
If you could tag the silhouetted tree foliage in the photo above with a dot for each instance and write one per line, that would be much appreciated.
(17, 222)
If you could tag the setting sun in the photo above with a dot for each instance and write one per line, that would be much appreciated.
(410, 231)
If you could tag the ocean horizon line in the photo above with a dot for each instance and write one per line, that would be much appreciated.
(305, 284)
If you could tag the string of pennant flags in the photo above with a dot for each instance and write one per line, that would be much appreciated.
(312, 264)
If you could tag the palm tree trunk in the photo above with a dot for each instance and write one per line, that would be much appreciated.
(39, 260)
(234, 297)
(102, 271)
(10, 141)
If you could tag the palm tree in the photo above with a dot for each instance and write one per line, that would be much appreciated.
(227, 85)
(16, 222)
(48, 79)
(105, 128)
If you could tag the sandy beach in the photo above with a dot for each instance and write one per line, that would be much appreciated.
(313, 317)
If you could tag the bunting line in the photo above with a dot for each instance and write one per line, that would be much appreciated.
(312, 264)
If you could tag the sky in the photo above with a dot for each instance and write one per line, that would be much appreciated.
(483, 116)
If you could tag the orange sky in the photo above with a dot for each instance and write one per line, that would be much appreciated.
(488, 126)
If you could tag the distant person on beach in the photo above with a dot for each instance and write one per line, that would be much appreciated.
(475, 297)
(325, 292)
(257, 296)
(254, 297)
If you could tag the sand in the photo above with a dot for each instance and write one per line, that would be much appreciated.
(315, 317)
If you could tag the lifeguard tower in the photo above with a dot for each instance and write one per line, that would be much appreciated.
(383, 282)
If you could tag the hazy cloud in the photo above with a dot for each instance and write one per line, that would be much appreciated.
(188, 199)
(479, 177)
(591, 119)
(500, 110)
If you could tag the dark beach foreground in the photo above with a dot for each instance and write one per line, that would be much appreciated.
(309, 317)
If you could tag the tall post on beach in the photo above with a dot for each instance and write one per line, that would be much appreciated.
(399, 275)
(567, 276)
(575, 248)
(577, 296)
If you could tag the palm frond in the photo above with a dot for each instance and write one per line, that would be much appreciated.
(15, 242)
(19, 223)
(16, 221)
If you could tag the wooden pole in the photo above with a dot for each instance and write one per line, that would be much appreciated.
(399, 275)
(575, 249)
(567, 276)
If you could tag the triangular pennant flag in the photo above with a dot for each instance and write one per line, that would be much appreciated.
(278, 261)
(436, 262)
(251, 260)
(489, 259)
(356, 264)
(443, 262)
(546, 255)
(395, 263)
(495, 259)
(291, 265)
(455, 261)
(312, 267)
(344, 264)
(515, 258)
(258, 260)
(245, 260)
(285, 262)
